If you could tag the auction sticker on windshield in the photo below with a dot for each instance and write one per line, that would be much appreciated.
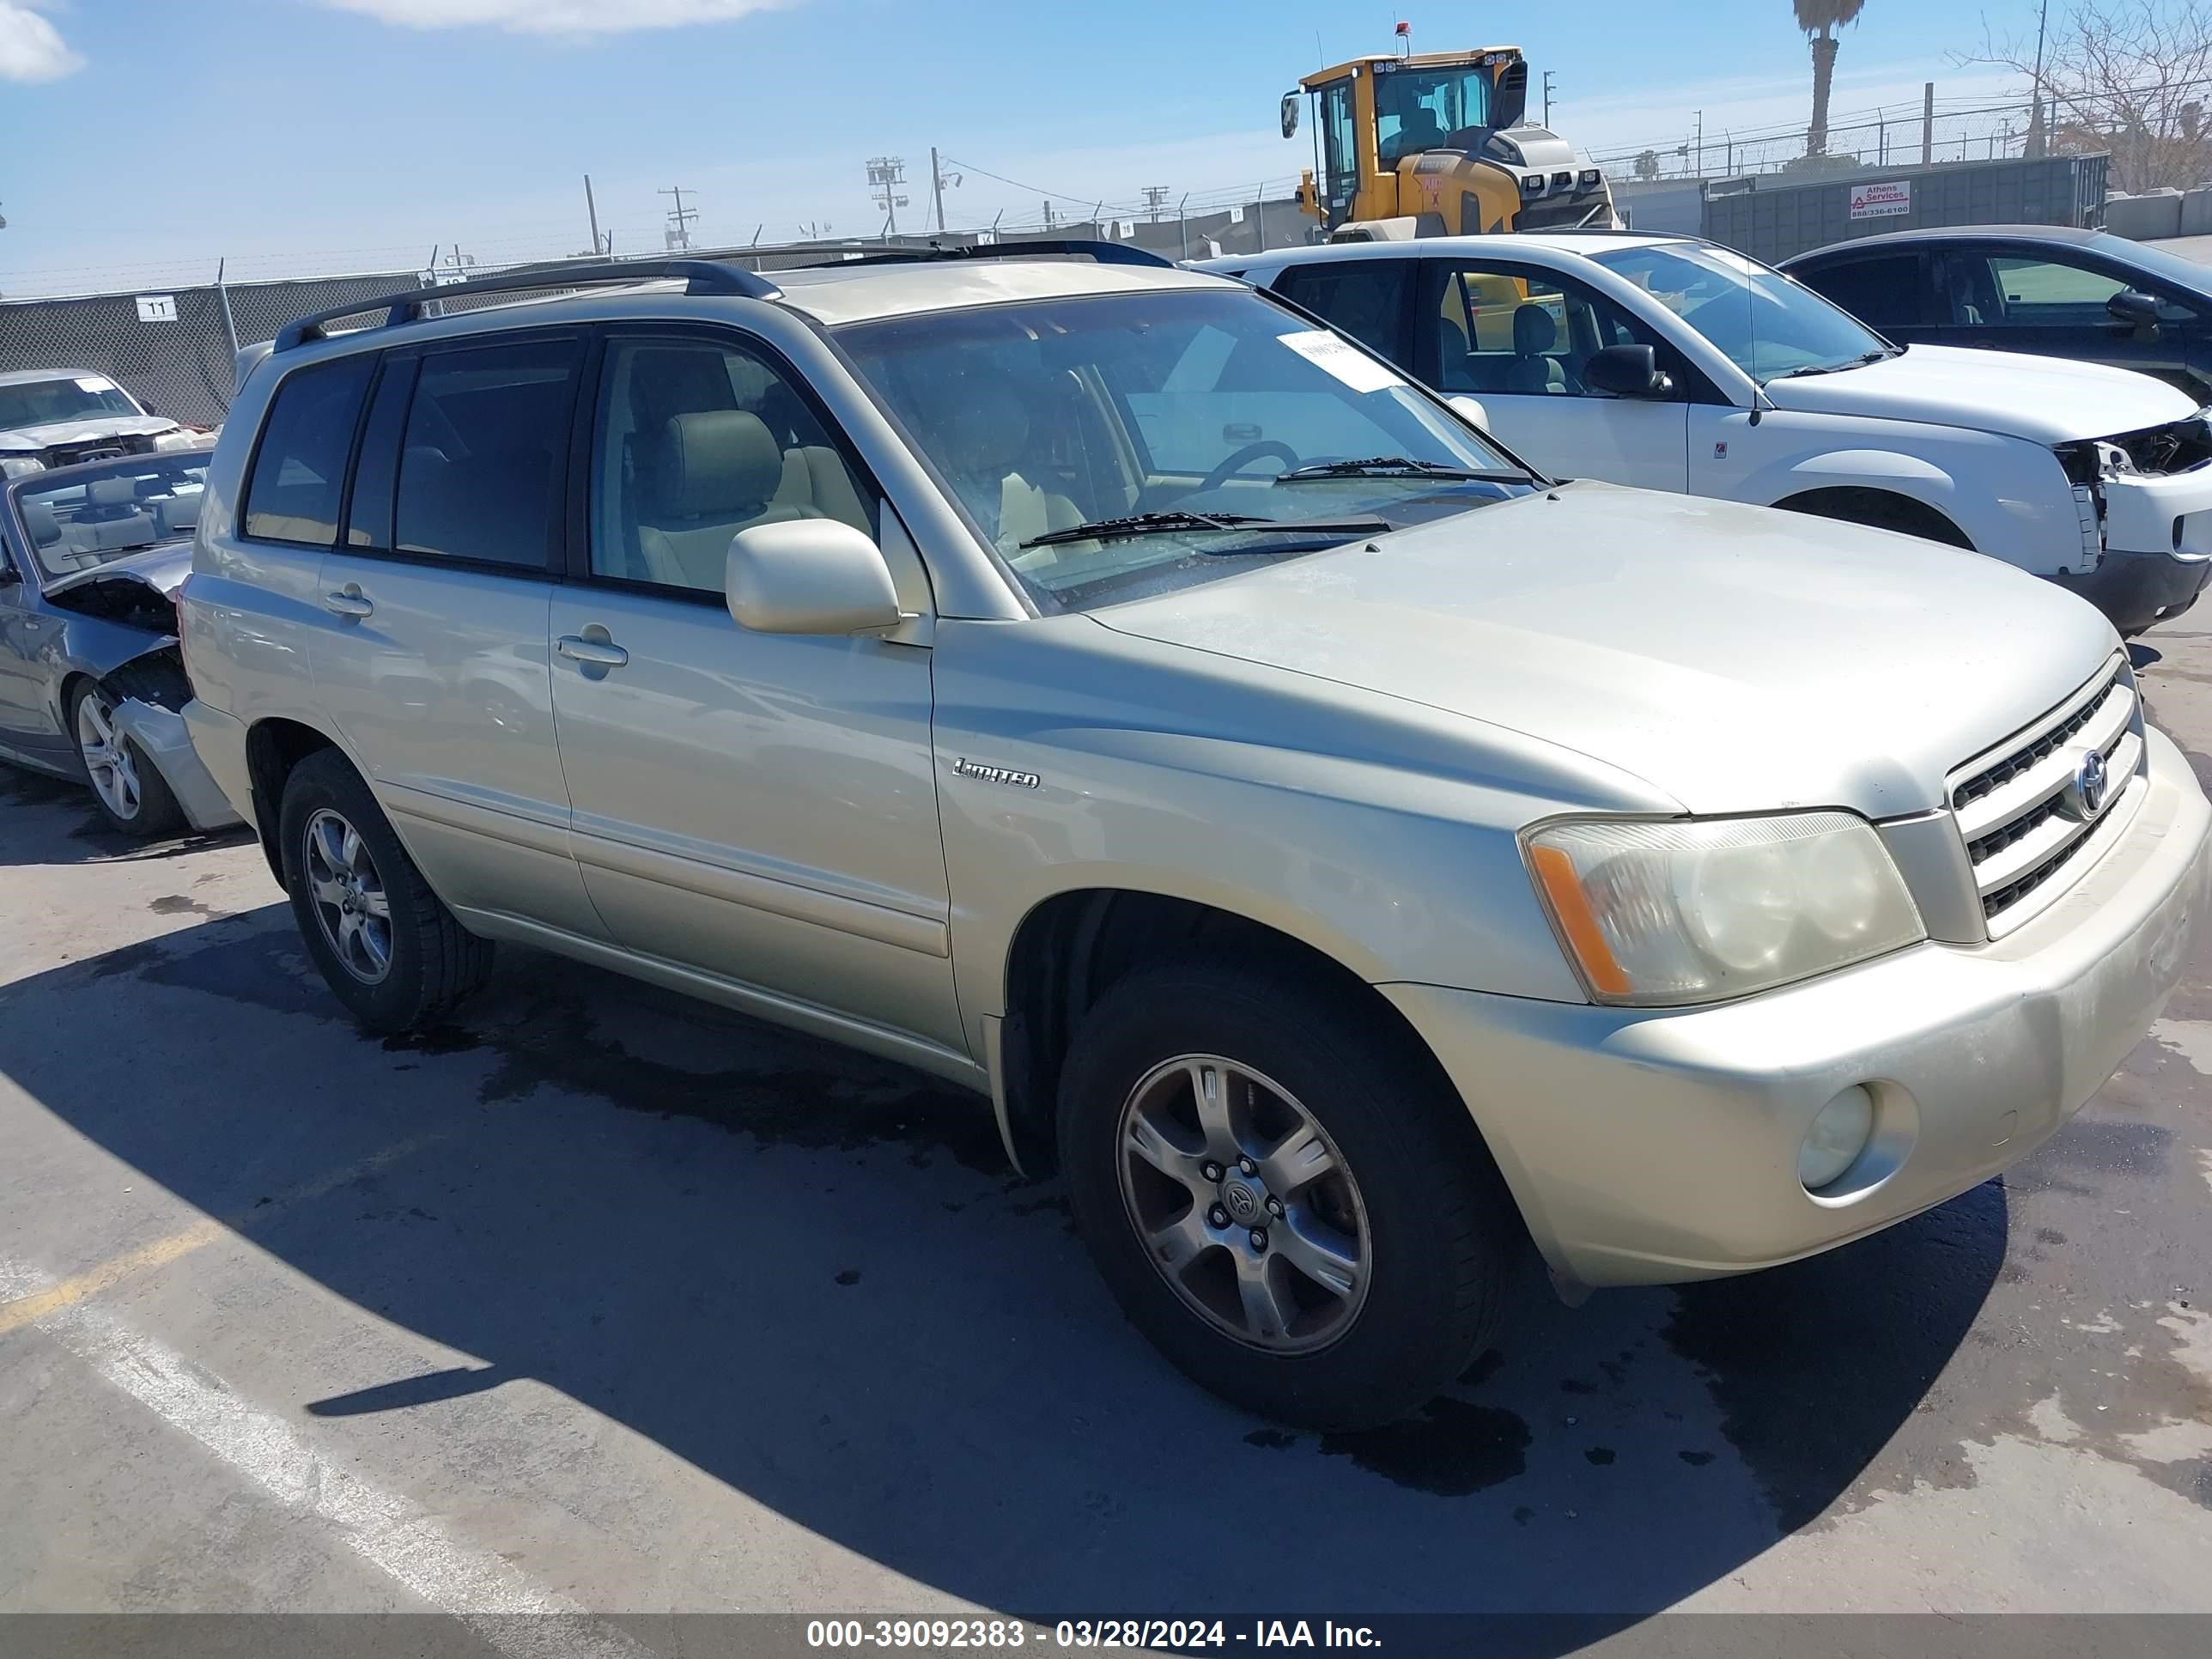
(1344, 360)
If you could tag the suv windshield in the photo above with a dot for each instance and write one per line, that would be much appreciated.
(1769, 325)
(1113, 445)
(35, 402)
(84, 516)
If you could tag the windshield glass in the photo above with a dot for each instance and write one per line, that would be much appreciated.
(34, 402)
(1058, 415)
(1417, 109)
(85, 516)
(1769, 325)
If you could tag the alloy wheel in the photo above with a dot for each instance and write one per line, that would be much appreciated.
(1243, 1204)
(109, 761)
(350, 905)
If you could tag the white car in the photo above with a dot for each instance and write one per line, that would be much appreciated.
(1677, 364)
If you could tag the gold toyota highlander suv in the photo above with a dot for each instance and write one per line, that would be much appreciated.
(1348, 854)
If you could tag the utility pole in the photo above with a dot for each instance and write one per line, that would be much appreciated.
(937, 188)
(678, 234)
(591, 208)
(1701, 144)
(1156, 198)
(1547, 98)
(1927, 123)
(2036, 139)
(885, 174)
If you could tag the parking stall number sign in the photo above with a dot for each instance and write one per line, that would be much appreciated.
(1881, 201)
(157, 307)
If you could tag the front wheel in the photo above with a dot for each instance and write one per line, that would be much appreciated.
(130, 792)
(387, 945)
(1293, 1208)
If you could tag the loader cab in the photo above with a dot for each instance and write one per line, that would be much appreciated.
(1373, 112)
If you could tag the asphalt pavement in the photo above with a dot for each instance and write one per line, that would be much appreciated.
(601, 1300)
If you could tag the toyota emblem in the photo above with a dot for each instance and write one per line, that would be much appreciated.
(2091, 784)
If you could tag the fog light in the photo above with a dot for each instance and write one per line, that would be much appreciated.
(1837, 1136)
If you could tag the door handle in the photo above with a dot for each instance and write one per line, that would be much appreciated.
(348, 602)
(600, 654)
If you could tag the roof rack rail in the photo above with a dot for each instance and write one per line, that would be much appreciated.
(705, 277)
(1102, 252)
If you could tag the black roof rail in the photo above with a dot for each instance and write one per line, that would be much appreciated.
(1101, 253)
(705, 275)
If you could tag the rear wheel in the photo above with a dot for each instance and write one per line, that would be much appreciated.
(387, 945)
(130, 790)
(1297, 1211)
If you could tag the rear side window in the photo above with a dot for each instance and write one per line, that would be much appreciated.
(299, 472)
(1882, 293)
(1365, 298)
(480, 464)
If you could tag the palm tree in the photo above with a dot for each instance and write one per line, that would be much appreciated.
(1821, 19)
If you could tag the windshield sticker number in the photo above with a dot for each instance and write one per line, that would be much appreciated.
(94, 383)
(1346, 361)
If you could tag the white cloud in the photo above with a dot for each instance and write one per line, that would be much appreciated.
(31, 48)
(552, 16)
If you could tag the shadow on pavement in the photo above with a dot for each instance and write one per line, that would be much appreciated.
(811, 1275)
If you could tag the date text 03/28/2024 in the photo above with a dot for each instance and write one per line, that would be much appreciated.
(1008, 1635)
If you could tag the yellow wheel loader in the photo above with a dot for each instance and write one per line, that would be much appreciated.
(1434, 144)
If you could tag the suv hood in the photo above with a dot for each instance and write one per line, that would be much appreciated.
(49, 432)
(2049, 400)
(1737, 658)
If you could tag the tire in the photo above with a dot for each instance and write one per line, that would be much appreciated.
(420, 964)
(1435, 1226)
(128, 789)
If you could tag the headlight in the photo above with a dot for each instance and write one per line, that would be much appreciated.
(1695, 911)
(19, 466)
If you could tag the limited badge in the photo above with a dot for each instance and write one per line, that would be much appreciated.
(1720, 450)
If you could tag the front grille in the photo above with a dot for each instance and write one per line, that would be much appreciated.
(2021, 808)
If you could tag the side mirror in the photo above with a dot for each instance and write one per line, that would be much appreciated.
(2138, 310)
(808, 576)
(1470, 412)
(1627, 371)
(1290, 115)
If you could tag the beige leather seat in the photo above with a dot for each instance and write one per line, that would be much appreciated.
(714, 473)
(990, 434)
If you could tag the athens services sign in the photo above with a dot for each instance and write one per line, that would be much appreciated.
(1881, 201)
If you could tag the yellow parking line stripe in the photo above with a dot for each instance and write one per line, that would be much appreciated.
(39, 1305)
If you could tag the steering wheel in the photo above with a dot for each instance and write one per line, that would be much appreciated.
(1233, 465)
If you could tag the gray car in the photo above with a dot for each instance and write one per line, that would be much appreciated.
(1351, 857)
(91, 683)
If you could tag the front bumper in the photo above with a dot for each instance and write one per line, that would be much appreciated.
(2137, 590)
(2157, 534)
(1645, 1147)
(160, 734)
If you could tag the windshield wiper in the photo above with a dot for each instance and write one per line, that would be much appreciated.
(1396, 466)
(1859, 362)
(1172, 523)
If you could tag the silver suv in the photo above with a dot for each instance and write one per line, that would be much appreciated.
(1347, 855)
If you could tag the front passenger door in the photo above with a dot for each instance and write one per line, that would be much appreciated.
(1515, 338)
(758, 807)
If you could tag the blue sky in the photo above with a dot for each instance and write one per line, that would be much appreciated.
(149, 137)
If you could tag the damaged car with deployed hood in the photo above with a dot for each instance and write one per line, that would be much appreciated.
(1350, 854)
(91, 682)
(63, 417)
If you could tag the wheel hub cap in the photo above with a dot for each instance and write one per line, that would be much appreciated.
(1246, 1203)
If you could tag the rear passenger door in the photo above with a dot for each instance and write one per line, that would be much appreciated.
(759, 807)
(431, 657)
